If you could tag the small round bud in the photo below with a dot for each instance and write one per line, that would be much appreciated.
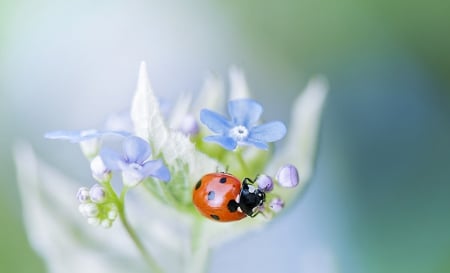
(189, 125)
(83, 195)
(276, 205)
(89, 210)
(112, 214)
(99, 170)
(264, 183)
(98, 194)
(106, 223)
(82, 210)
(287, 176)
(93, 221)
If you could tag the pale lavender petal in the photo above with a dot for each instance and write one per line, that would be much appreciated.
(214, 121)
(189, 125)
(157, 169)
(136, 149)
(287, 176)
(276, 205)
(244, 112)
(268, 132)
(111, 159)
(226, 142)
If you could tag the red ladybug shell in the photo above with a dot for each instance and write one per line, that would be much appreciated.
(215, 196)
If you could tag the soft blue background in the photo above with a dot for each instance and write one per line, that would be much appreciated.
(379, 201)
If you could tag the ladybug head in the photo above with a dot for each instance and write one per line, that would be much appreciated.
(250, 198)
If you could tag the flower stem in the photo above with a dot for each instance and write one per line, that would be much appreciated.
(241, 161)
(120, 203)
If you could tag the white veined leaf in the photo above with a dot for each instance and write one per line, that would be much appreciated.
(299, 147)
(56, 229)
(184, 161)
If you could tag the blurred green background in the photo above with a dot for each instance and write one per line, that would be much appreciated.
(379, 201)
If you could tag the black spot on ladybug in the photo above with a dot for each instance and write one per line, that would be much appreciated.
(211, 195)
(232, 206)
(199, 183)
(215, 217)
(223, 180)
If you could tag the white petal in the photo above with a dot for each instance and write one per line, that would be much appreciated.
(300, 146)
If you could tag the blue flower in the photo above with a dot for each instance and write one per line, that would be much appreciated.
(133, 162)
(242, 128)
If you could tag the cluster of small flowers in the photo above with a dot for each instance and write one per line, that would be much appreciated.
(236, 135)
(96, 206)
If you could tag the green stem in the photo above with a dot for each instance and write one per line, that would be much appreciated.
(120, 203)
(241, 161)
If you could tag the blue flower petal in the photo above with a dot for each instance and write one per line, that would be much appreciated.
(244, 112)
(268, 132)
(111, 159)
(157, 169)
(226, 142)
(214, 121)
(136, 149)
(256, 143)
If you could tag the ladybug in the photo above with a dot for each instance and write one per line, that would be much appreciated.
(222, 197)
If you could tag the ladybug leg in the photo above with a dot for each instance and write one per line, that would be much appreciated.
(247, 181)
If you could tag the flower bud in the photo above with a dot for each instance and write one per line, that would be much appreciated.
(112, 214)
(287, 176)
(93, 221)
(83, 195)
(264, 183)
(89, 209)
(99, 170)
(106, 223)
(98, 194)
(276, 205)
(189, 125)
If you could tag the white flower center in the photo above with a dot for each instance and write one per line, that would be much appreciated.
(239, 133)
(132, 175)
